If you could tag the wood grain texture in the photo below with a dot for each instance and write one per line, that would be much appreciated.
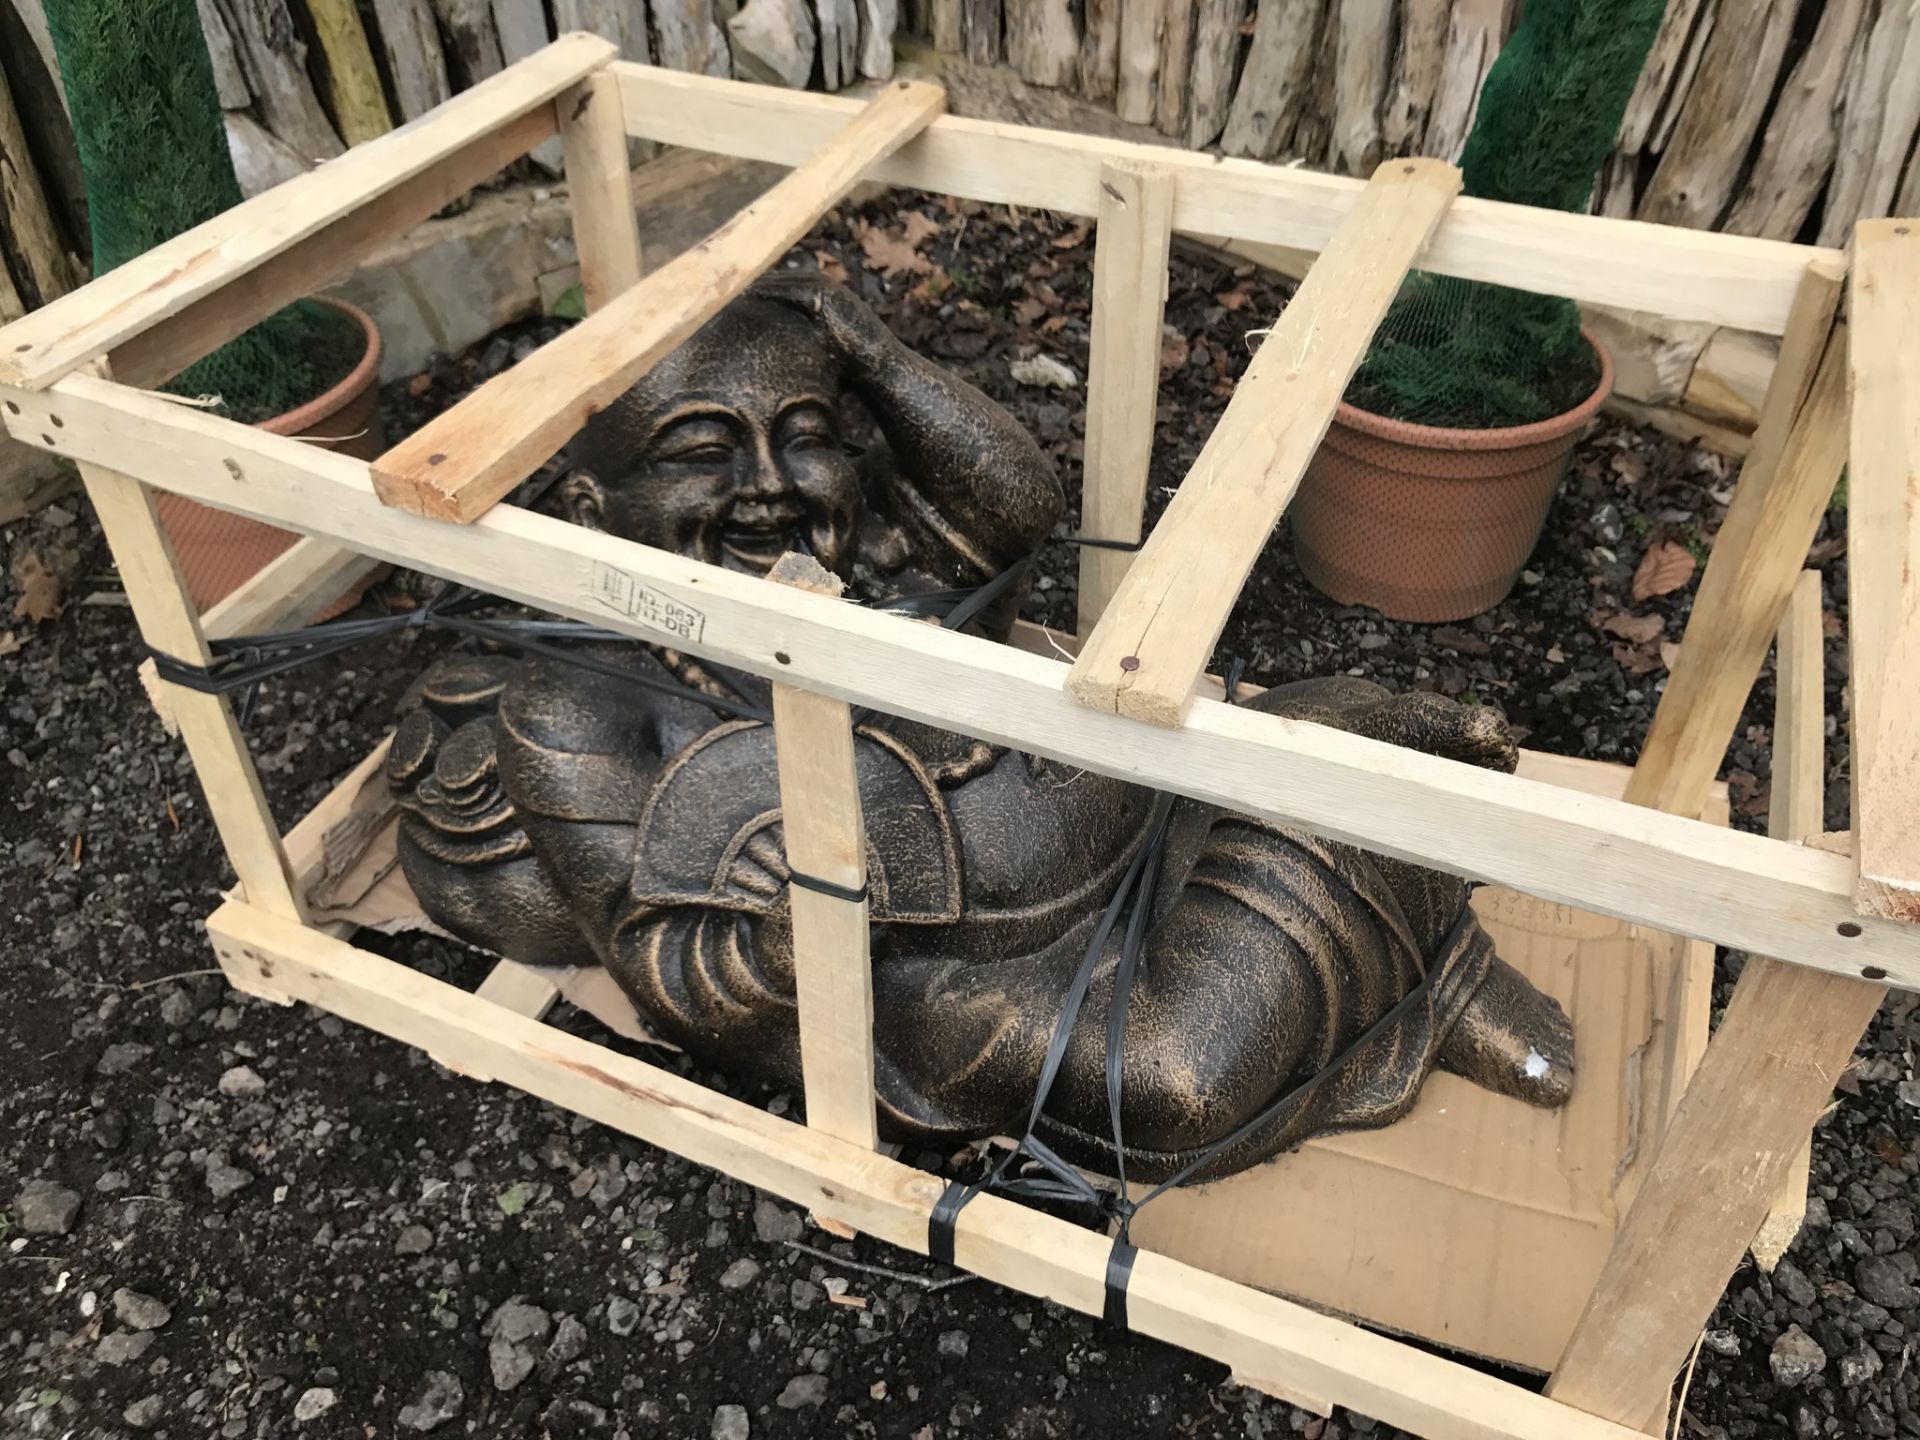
(137, 296)
(826, 839)
(1257, 1335)
(606, 235)
(1100, 49)
(274, 59)
(624, 22)
(1883, 570)
(1796, 811)
(228, 78)
(411, 40)
(352, 80)
(1742, 1125)
(1416, 74)
(1216, 54)
(1141, 22)
(1701, 163)
(1798, 451)
(1686, 274)
(1123, 377)
(1043, 43)
(1475, 32)
(1797, 152)
(1154, 640)
(459, 464)
(476, 40)
(158, 594)
(1177, 18)
(1881, 110)
(1363, 70)
(49, 271)
(1275, 78)
(1675, 874)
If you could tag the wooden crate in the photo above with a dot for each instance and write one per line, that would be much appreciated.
(1836, 913)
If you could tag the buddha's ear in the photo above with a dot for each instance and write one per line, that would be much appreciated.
(582, 499)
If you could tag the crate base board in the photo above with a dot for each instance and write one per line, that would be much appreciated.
(1252, 1332)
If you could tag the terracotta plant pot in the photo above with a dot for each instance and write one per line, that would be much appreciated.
(219, 552)
(1425, 523)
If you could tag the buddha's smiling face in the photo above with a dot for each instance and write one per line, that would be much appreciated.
(729, 451)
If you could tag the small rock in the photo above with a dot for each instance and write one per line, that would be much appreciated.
(1796, 1357)
(1788, 1280)
(224, 1179)
(414, 1240)
(1883, 1282)
(730, 1423)
(622, 1315)
(953, 1343)
(803, 1390)
(123, 1347)
(122, 1057)
(109, 1129)
(804, 1294)
(144, 1414)
(44, 1208)
(139, 1312)
(515, 1328)
(1045, 372)
(569, 1341)
(740, 1274)
(1722, 1342)
(439, 1401)
(242, 1082)
(176, 1010)
(774, 1223)
(1860, 1366)
(313, 1404)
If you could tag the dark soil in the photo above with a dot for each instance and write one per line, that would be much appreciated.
(324, 1215)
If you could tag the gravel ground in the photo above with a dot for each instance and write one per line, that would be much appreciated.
(226, 1217)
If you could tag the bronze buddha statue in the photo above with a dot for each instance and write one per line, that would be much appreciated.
(564, 816)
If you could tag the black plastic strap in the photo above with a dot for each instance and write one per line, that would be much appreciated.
(1090, 543)
(946, 1217)
(827, 887)
(1119, 1275)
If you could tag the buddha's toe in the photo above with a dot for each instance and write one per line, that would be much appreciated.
(1513, 1040)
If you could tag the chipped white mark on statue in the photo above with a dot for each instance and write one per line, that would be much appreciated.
(624, 595)
(1536, 1065)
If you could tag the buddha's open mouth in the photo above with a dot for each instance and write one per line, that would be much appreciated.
(757, 536)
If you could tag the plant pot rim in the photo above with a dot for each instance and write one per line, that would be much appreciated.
(303, 418)
(1509, 437)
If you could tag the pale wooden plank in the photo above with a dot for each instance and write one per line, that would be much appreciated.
(1731, 280)
(600, 189)
(167, 622)
(156, 355)
(1796, 811)
(1798, 451)
(459, 464)
(1253, 1333)
(1883, 576)
(1673, 873)
(1742, 1126)
(1154, 640)
(102, 316)
(1123, 378)
(518, 988)
(826, 839)
(351, 77)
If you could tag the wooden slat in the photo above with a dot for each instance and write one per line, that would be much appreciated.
(599, 187)
(167, 622)
(826, 839)
(103, 316)
(1686, 274)
(158, 354)
(1155, 639)
(1739, 1130)
(1123, 380)
(1796, 811)
(1883, 533)
(459, 464)
(1676, 874)
(1253, 1333)
(1799, 449)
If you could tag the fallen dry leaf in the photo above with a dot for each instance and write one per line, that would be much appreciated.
(919, 229)
(1236, 297)
(9, 642)
(937, 283)
(1669, 652)
(1053, 324)
(1637, 629)
(1635, 661)
(41, 595)
(1665, 568)
(830, 266)
(891, 254)
(1074, 237)
(1173, 349)
(1029, 310)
